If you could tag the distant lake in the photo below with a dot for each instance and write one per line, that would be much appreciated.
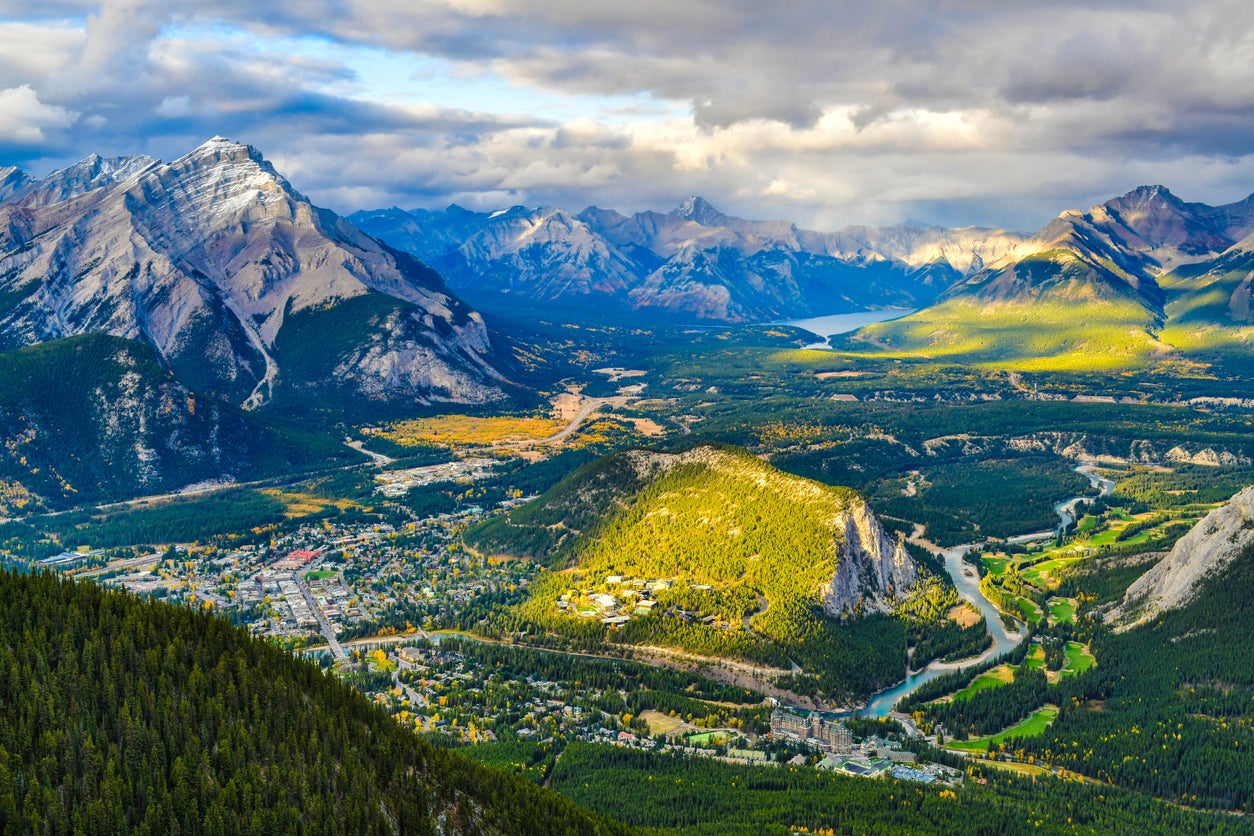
(828, 326)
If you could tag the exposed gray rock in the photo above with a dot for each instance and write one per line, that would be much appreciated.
(1206, 457)
(94, 172)
(874, 570)
(693, 262)
(206, 259)
(1205, 551)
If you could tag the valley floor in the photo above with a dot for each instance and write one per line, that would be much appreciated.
(947, 456)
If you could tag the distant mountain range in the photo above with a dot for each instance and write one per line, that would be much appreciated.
(1142, 276)
(692, 263)
(245, 289)
(251, 295)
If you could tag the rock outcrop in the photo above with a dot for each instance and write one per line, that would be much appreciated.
(875, 570)
(1206, 550)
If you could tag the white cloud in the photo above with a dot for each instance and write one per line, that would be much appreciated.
(173, 107)
(826, 112)
(24, 119)
(32, 53)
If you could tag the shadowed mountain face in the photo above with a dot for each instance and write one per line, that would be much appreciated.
(1117, 283)
(693, 263)
(96, 418)
(232, 276)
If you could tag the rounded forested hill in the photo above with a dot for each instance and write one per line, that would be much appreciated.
(715, 552)
(124, 716)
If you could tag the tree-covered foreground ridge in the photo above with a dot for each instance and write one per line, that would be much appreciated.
(125, 716)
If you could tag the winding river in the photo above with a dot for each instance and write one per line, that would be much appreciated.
(967, 582)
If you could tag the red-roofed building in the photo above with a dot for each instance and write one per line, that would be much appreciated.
(295, 559)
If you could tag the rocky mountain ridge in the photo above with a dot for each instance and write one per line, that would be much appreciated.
(1114, 280)
(715, 515)
(694, 262)
(873, 569)
(208, 258)
(1131, 264)
(1127, 242)
(735, 559)
(1212, 545)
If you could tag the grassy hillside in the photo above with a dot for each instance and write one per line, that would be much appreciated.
(1209, 311)
(1050, 312)
(96, 417)
(1062, 311)
(733, 554)
(123, 716)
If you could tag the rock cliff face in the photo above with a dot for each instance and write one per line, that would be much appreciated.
(875, 570)
(1207, 549)
(208, 258)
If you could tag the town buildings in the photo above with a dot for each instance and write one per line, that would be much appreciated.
(811, 730)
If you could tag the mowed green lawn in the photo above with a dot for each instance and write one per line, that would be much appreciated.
(1046, 574)
(1079, 659)
(996, 565)
(1053, 561)
(1108, 537)
(1061, 610)
(708, 738)
(1030, 611)
(995, 678)
(1035, 724)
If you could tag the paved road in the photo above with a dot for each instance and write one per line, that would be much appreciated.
(415, 699)
(762, 605)
(379, 459)
(588, 408)
(132, 563)
(336, 648)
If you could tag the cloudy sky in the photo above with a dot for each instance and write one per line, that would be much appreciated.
(828, 113)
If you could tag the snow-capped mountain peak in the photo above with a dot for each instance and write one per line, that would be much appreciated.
(87, 175)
